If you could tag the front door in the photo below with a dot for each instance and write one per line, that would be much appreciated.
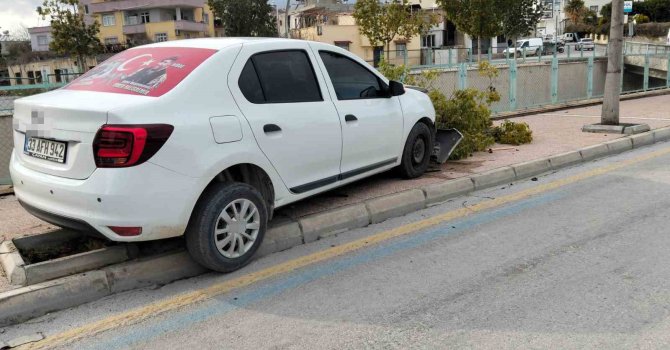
(372, 122)
(290, 113)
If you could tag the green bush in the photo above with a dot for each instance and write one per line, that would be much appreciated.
(641, 19)
(512, 133)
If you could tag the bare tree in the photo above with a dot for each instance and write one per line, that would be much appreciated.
(610, 112)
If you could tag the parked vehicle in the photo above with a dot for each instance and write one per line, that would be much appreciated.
(569, 37)
(207, 137)
(532, 46)
(668, 40)
(586, 44)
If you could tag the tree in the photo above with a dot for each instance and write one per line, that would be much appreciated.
(610, 111)
(70, 33)
(477, 18)
(381, 23)
(575, 10)
(245, 18)
(519, 17)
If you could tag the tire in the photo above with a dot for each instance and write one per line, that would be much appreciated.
(417, 152)
(208, 228)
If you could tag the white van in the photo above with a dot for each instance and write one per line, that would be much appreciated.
(531, 46)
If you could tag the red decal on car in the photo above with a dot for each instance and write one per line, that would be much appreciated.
(143, 71)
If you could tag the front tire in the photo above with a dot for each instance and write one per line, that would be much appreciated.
(417, 152)
(227, 227)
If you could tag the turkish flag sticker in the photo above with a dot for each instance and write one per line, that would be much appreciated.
(151, 71)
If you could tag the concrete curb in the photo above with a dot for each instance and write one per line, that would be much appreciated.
(24, 303)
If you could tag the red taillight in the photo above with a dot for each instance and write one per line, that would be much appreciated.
(126, 231)
(117, 146)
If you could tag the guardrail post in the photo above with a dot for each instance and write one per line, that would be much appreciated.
(646, 72)
(589, 81)
(524, 55)
(490, 55)
(404, 56)
(450, 57)
(568, 47)
(554, 80)
(512, 85)
(463, 76)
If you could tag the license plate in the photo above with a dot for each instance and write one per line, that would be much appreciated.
(50, 150)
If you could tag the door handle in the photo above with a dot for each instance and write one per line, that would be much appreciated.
(350, 118)
(268, 128)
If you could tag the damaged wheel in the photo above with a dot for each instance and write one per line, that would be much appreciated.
(227, 227)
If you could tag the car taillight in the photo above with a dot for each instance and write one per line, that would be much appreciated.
(118, 146)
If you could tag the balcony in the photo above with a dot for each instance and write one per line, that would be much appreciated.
(186, 26)
(131, 29)
(190, 26)
(121, 5)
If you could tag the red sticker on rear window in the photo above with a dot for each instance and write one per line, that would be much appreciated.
(143, 71)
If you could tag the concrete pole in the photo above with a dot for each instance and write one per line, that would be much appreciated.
(610, 112)
(286, 24)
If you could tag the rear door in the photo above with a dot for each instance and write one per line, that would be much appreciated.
(372, 122)
(288, 108)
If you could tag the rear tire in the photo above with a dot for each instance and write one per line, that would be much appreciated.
(417, 152)
(227, 227)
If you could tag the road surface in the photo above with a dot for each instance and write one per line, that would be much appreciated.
(575, 259)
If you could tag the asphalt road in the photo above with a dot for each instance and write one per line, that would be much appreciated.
(576, 259)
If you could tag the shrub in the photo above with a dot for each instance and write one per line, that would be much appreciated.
(652, 30)
(512, 133)
(641, 19)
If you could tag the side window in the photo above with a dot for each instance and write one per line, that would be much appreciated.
(250, 85)
(351, 80)
(284, 76)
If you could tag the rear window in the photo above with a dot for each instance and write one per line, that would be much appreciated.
(143, 71)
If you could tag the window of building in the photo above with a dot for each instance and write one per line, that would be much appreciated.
(18, 78)
(594, 8)
(400, 50)
(160, 37)
(351, 80)
(205, 18)
(343, 44)
(144, 17)
(111, 40)
(31, 77)
(38, 77)
(58, 76)
(284, 77)
(42, 40)
(428, 41)
(108, 20)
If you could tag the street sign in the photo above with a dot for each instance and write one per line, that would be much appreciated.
(627, 6)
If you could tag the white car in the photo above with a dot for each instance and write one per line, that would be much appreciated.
(206, 137)
(532, 46)
(586, 44)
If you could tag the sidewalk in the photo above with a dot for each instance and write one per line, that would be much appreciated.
(553, 133)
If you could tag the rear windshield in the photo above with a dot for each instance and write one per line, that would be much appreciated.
(151, 71)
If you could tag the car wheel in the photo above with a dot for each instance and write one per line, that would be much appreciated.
(417, 152)
(227, 227)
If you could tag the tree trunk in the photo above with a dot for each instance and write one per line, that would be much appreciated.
(388, 52)
(81, 62)
(610, 112)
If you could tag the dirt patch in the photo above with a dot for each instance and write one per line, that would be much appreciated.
(74, 246)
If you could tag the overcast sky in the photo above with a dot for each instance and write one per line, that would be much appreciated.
(17, 13)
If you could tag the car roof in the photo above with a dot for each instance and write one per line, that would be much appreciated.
(214, 43)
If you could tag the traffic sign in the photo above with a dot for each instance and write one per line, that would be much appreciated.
(627, 6)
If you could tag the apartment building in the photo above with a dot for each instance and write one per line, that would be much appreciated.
(332, 22)
(136, 22)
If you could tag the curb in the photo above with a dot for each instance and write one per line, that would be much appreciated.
(21, 304)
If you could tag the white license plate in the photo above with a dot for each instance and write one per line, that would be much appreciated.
(50, 150)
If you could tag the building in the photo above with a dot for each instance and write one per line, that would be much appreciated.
(136, 22)
(332, 22)
(40, 38)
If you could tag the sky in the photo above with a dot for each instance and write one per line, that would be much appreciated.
(17, 13)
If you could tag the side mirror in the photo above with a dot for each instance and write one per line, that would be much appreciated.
(396, 88)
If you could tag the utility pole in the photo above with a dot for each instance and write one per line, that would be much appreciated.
(610, 112)
(286, 24)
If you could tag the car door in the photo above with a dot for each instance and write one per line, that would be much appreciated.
(289, 111)
(372, 122)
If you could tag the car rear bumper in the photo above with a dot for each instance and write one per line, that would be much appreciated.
(148, 196)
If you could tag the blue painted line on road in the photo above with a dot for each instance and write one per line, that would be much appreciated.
(141, 333)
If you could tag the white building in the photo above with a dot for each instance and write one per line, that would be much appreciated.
(40, 38)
